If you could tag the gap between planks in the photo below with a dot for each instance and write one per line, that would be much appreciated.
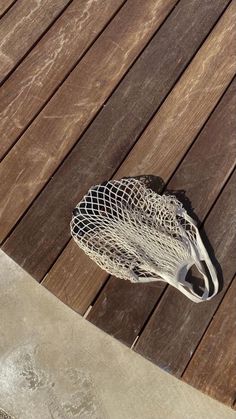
(5, 6)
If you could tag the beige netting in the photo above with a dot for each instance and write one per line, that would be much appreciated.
(136, 234)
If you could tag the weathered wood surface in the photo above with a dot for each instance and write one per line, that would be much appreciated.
(212, 157)
(213, 366)
(75, 279)
(45, 67)
(34, 158)
(21, 27)
(5, 5)
(177, 324)
(190, 102)
(115, 310)
(94, 159)
(122, 308)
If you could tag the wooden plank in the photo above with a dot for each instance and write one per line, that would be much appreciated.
(21, 27)
(117, 305)
(31, 162)
(45, 67)
(213, 366)
(94, 159)
(78, 285)
(5, 6)
(122, 308)
(177, 325)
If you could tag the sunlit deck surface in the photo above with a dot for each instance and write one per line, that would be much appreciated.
(110, 88)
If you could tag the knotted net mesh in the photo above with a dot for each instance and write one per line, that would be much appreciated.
(136, 234)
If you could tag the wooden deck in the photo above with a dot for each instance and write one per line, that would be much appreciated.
(98, 89)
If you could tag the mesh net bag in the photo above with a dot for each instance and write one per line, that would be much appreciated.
(139, 235)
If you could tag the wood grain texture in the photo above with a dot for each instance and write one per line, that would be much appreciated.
(172, 130)
(94, 159)
(199, 176)
(5, 5)
(122, 308)
(78, 285)
(52, 134)
(213, 366)
(177, 325)
(20, 28)
(37, 77)
(211, 159)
